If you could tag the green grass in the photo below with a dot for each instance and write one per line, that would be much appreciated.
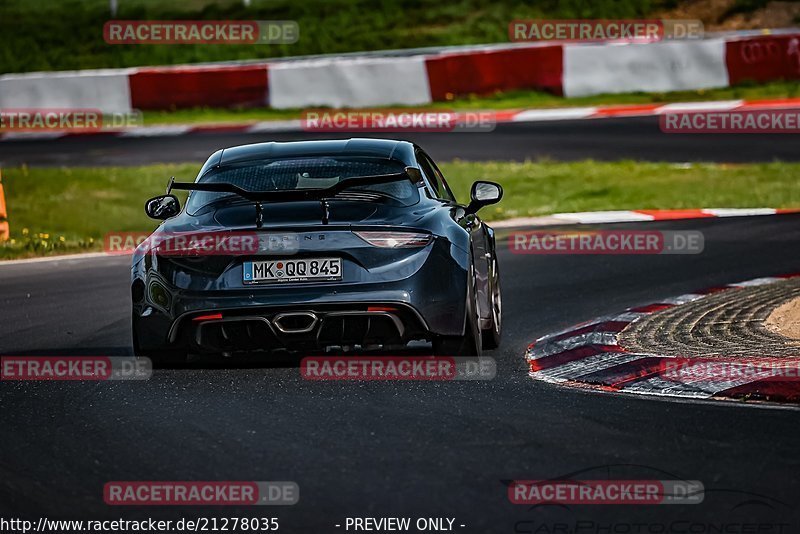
(543, 188)
(83, 204)
(79, 205)
(68, 34)
(508, 100)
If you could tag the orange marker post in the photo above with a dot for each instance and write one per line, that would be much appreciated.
(4, 230)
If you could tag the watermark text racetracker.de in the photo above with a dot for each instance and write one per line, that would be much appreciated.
(201, 493)
(149, 32)
(205, 243)
(406, 120)
(383, 368)
(608, 492)
(80, 368)
(730, 369)
(73, 120)
(606, 242)
(635, 30)
(778, 121)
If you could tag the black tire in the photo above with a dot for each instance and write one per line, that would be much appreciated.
(165, 358)
(468, 344)
(159, 358)
(491, 336)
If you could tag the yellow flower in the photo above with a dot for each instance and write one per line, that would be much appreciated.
(24, 231)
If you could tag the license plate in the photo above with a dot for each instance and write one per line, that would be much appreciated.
(296, 270)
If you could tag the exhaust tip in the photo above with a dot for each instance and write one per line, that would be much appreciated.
(295, 322)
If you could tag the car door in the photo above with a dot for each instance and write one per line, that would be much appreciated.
(480, 240)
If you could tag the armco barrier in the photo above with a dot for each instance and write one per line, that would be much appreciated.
(489, 71)
(106, 90)
(762, 59)
(359, 82)
(653, 67)
(188, 87)
(572, 69)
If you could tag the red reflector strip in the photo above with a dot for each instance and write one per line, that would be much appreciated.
(380, 309)
(211, 317)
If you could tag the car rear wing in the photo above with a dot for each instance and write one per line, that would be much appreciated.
(294, 195)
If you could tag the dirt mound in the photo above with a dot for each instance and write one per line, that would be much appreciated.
(718, 15)
(785, 319)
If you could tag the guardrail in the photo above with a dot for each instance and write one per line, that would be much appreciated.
(382, 79)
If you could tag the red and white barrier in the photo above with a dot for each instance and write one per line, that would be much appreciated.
(652, 67)
(107, 90)
(571, 69)
(359, 82)
(188, 87)
(765, 58)
(489, 71)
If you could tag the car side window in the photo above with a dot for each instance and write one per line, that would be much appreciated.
(427, 170)
(446, 192)
(434, 177)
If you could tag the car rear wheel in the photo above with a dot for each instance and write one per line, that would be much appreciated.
(159, 358)
(469, 344)
(491, 336)
(164, 358)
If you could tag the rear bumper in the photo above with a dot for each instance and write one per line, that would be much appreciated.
(299, 328)
(428, 303)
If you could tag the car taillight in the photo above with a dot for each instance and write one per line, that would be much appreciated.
(395, 239)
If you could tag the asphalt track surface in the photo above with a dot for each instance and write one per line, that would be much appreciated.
(393, 449)
(635, 138)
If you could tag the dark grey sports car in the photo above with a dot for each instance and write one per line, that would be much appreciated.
(348, 244)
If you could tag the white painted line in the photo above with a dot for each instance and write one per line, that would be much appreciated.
(64, 257)
(757, 282)
(560, 114)
(689, 107)
(594, 217)
(276, 126)
(519, 222)
(156, 131)
(682, 299)
(620, 216)
(31, 136)
(739, 212)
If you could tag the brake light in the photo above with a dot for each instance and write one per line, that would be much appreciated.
(395, 239)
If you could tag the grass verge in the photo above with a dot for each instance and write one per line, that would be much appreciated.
(56, 211)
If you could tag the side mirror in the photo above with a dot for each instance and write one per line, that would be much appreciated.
(162, 207)
(484, 194)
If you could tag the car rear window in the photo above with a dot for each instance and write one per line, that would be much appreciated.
(304, 173)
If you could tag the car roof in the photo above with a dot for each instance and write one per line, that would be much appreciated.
(383, 148)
